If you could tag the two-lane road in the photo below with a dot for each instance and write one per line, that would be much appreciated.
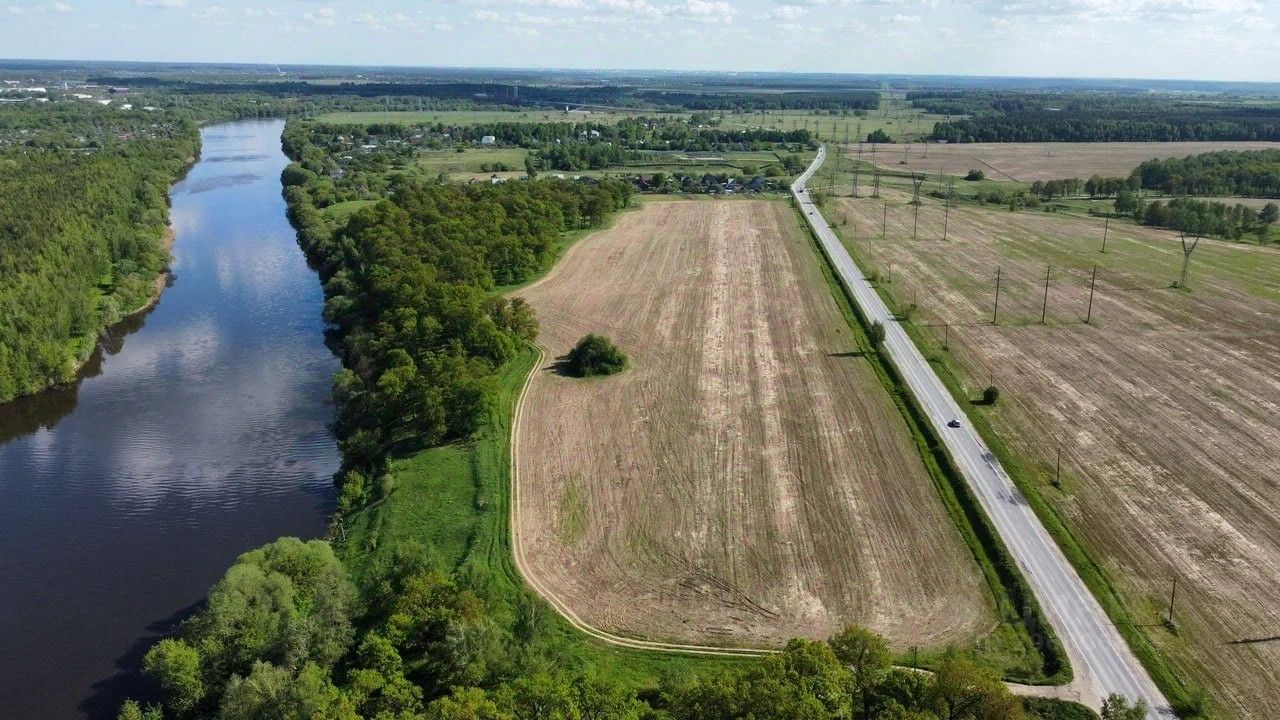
(1102, 661)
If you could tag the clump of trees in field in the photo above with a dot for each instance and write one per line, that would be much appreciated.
(595, 355)
(1207, 217)
(975, 175)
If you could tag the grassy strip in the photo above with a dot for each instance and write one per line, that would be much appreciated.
(455, 500)
(1185, 701)
(1015, 602)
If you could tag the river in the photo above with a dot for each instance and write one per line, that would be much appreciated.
(200, 432)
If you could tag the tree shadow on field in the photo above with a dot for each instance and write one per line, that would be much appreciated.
(850, 354)
(561, 367)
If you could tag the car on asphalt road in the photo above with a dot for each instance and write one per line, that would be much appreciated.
(953, 423)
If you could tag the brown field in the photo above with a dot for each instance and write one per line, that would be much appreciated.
(1166, 408)
(747, 479)
(1027, 162)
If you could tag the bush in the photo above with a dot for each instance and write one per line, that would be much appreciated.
(595, 355)
(876, 334)
(990, 395)
(974, 175)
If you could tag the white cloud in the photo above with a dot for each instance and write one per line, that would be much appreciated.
(325, 17)
(787, 12)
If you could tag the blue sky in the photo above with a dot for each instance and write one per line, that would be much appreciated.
(1194, 39)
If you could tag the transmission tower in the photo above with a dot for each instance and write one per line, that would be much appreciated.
(857, 168)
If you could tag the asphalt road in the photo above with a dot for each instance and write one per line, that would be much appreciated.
(1100, 658)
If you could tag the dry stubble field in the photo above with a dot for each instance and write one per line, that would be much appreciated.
(1027, 162)
(747, 479)
(1167, 408)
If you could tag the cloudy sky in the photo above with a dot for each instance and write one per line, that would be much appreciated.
(1195, 39)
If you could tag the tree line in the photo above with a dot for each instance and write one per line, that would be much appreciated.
(408, 284)
(1253, 173)
(83, 207)
(289, 632)
(1005, 116)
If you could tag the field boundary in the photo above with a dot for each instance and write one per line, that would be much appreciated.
(1181, 697)
(988, 550)
(560, 605)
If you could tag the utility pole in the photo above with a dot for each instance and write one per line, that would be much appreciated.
(858, 166)
(946, 214)
(1057, 470)
(875, 170)
(946, 336)
(915, 201)
(1105, 226)
(1173, 594)
(995, 313)
(884, 218)
(1093, 279)
(1044, 309)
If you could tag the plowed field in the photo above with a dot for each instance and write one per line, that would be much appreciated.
(747, 479)
(1166, 408)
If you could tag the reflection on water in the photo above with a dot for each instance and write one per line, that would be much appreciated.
(198, 431)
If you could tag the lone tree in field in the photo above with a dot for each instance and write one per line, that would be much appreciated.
(595, 355)
(876, 334)
(974, 175)
(990, 395)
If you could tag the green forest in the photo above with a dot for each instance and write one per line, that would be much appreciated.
(83, 208)
(1251, 173)
(1009, 116)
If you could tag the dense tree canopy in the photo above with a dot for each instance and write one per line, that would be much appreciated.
(1254, 173)
(83, 206)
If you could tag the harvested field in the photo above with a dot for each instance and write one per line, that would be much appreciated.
(1027, 162)
(747, 479)
(1166, 408)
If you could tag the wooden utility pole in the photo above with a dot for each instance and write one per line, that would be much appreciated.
(1093, 279)
(884, 218)
(1173, 594)
(875, 171)
(946, 336)
(1057, 470)
(995, 313)
(1105, 226)
(1044, 309)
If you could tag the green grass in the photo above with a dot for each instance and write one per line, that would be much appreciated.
(895, 116)
(1010, 650)
(455, 500)
(470, 160)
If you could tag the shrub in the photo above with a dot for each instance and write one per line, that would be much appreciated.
(595, 355)
(990, 395)
(876, 334)
(974, 175)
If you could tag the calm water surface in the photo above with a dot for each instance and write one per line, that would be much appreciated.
(199, 433)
